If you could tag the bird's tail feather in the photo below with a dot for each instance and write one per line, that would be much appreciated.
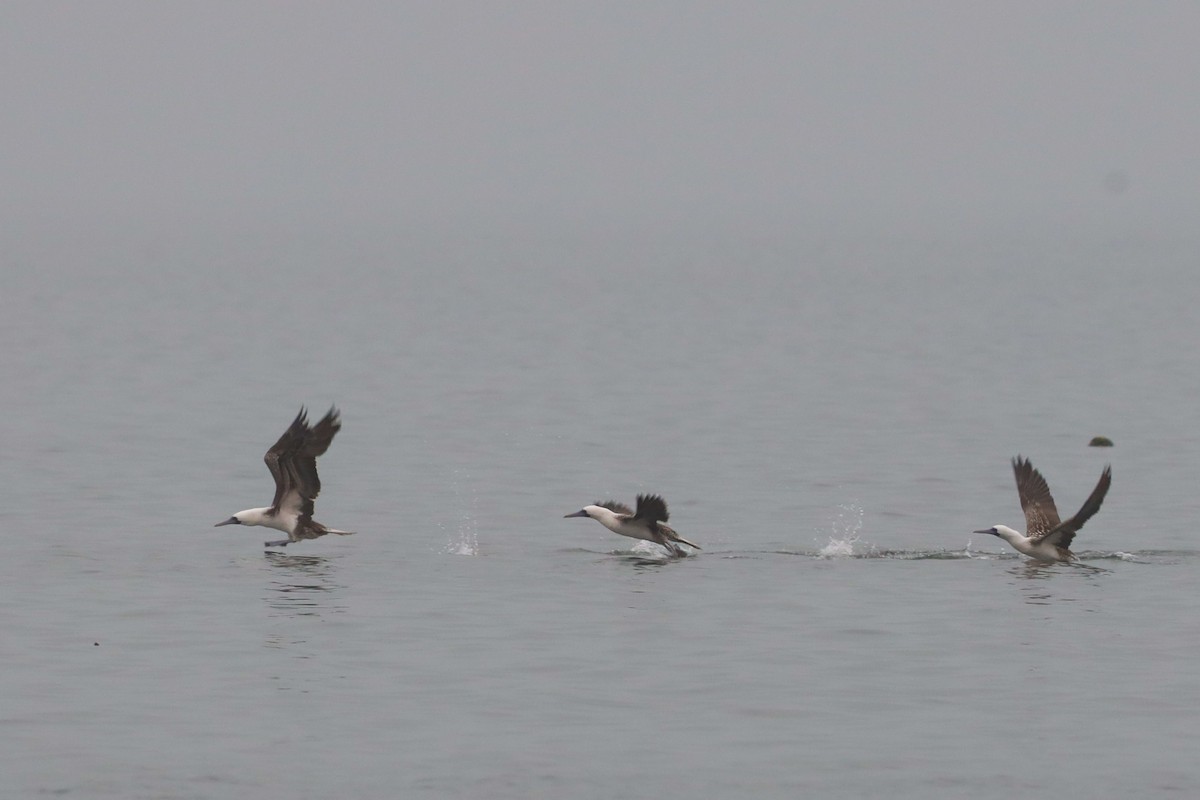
(679, 538)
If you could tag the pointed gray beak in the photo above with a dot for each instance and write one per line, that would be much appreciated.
(230, 521)
(987, 530)
(580, 513)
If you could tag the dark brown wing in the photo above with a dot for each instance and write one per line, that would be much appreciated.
(287, 443)
(615, 507)
(651, 507)
(313, 445)
(1040, 514)
(293, 459)
(1063, 533)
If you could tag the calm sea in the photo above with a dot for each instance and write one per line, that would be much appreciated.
(829, 418)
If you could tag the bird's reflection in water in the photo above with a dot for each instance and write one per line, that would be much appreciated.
(1036, 576)
(642, 564)
(643, 561)
(302, 586)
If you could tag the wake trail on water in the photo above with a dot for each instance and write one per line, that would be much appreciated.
(845, 542)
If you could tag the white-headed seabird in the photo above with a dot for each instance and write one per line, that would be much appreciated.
(1048, 538)
(293, 463)
(645, 523)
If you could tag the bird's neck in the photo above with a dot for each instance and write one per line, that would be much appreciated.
(607, 518)
(1015, 538)
(254, 516)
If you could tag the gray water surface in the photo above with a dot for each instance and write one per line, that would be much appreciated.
(829, 419)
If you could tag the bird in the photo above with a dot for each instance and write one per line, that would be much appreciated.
(293, 464)
(1048, 538)
(645, 523)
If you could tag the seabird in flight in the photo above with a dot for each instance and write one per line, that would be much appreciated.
(645, 523)
(293, 463)
(1048, 538)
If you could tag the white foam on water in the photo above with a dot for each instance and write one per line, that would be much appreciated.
(646, 549)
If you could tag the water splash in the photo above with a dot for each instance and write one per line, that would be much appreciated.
(655, 552)
(467, 543)
(846, 525)
(643, 548)
(838, 548)
(464, 539)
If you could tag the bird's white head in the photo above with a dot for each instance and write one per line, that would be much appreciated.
(251, 516)
(599, 513)
(1004, 532)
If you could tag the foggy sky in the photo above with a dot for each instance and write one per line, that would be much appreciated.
(893, 117)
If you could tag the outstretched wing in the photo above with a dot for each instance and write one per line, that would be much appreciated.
(1063, 533)
(293, 460)
(651, 507)
(1041, 516)
(315, 444)
(615, 507)
(276, 458)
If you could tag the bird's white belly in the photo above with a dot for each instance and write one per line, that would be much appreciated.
(1042, 551)
(625, 529)
(281, 522)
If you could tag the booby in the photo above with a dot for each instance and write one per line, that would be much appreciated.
(293, 463)
(1048, 538)
(645, 523)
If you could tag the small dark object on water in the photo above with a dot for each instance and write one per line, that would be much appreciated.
(1100, 441)
(95, 644)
